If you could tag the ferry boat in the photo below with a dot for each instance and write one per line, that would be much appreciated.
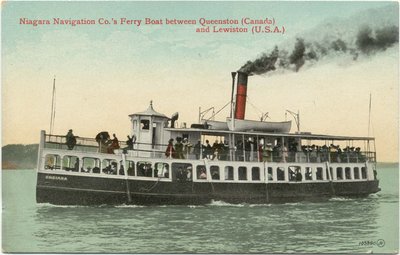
(165, 164)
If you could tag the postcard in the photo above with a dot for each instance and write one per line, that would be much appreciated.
(200, 127)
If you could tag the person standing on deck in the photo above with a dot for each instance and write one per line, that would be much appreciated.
(114, 145)
(179, 148)
(197, 149)
(70, 140)
(129, 143)
(170, 152)
(187, 146)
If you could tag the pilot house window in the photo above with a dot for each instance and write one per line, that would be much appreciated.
(144, 124)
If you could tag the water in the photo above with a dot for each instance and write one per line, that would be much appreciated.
(340, 225)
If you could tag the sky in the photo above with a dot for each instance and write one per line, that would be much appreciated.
(106, 72)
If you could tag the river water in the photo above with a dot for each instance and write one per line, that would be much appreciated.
(339, 225)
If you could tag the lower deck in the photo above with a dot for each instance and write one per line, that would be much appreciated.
(70, 177)
(77, 189)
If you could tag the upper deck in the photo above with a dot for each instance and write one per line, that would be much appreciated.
(238, 146)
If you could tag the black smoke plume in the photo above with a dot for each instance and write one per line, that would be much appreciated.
(263, 64)
(367, 42)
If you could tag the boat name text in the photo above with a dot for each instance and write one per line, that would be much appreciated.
(58, 178)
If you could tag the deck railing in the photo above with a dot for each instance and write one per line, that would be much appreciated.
(225, 154)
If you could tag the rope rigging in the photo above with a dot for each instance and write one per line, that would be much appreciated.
(219, 110)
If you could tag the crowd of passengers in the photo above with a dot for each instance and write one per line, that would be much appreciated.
(182, 148)
(246, 151)
(336, 154)
(249, 150)
(105, 142)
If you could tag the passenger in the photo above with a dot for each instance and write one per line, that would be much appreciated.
(114, 145)
(147, 170)
(96, 170)
(203, 174)
(130, 143)
(121, 170)
(284, 153)
(180, 175)
(131, 169)
(70, 140)
(196, 150)
(260, 153)
(239, 151)
(170, 151)
(179, 148)
(299, 176)
(207, 150)
(222, 151)
(214, 150)
(102, 139)
(166, 173)
(187, 146)
(189, 173)
(113, 168)
(247, 149)
(76, 166)
(215, 175)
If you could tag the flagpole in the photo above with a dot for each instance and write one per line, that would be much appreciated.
(53, 106)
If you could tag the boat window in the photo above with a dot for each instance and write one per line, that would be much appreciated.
(181, 172)
(109, 166)
(363, 173)
(319, 173)
(347, 171)
(280, 173)
(90, 165)
(70, 163)
(270, 174)
(201, 172)
(339, 173)
(295, 173)
(144, 169)
(161, 169)
(308, 173)
(242, 173)
(356, 173)
(229, 173)
(214, 170)
(130, 167)
(144, 124)
(52, 162)
(255, 173)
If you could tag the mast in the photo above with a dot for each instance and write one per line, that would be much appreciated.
(369, 121)
(369, 113)
(53, 106)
